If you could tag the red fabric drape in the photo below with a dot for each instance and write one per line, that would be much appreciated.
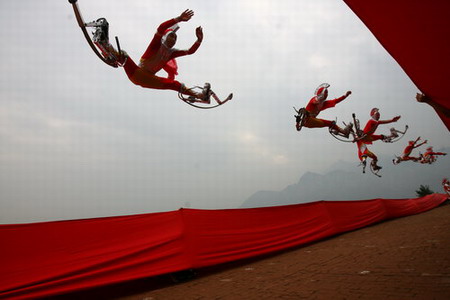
(54, 257)
(415, 33)
(43, 259)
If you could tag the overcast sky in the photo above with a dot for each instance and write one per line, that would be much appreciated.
(79, 140)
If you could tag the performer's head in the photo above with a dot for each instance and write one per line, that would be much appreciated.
(322, 92)
(411, 143)
(429, 149)
(375, 113)
(170, 36)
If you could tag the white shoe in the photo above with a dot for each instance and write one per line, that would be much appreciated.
(206, 92)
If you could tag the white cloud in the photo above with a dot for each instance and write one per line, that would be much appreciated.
(318, 61)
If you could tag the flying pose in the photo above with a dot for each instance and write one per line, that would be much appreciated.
(446, 186)
(430, 156)
(307, 116)
(369, 136)
(161, 54)
(407, 152)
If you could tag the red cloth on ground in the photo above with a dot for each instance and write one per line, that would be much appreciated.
(50, 258)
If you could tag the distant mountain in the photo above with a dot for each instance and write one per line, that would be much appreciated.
(345, 181)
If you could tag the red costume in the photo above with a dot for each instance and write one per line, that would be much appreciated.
(446, 186)
(158, 56)
(430, 156)
(407, 151)
(369, 136)
(317, 104)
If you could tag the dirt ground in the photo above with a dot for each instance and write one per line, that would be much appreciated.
(406, 258)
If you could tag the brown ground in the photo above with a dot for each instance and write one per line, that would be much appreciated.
(406, 258)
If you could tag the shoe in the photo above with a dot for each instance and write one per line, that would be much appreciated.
(364, 164)
(191, 99)
(122, 58)
(206, 93)
(375, 167)
(346, 131)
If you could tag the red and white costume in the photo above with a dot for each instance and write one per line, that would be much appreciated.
(369, 136)
(319, 103)
(368, 131)
(408, 150)
(446, 186)
(158, 56)
(430, 156)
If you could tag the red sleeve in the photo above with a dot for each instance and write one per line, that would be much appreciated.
(191, 50)
(385, 121)
(332, 103)
(329, 104)
(165, 25)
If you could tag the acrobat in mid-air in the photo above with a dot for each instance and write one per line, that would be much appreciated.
(368, 136)
(159, 55)
(307, 116)
(446, 186)
(430, 156)
(406, 155)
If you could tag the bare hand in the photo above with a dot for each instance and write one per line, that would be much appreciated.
(422, 98)
(199, 33)
(395, 119)
(186, 15)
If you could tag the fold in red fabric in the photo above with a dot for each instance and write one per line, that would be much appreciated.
(415, 33)
(50, 258)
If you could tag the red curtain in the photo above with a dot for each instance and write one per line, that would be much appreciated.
(44, 259)
(416, 34)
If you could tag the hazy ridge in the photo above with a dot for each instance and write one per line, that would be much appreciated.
(345, 181)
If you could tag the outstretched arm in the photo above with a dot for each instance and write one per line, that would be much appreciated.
(183, 17)
(437, 107)
(337, 100)
(439, 153)
(344, 96)
(332, 103)
(394, 119)
(417, 146)
(194, 47)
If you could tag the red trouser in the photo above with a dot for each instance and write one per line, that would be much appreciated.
(148, 80)
(362, 146)
(407, 157)
(363, 151)
(312, 122)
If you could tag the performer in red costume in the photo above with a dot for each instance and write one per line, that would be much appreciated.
(319, 103)
(369, 137)
(160, 54)
(446, 186)
(407, 152)
(430, 156)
